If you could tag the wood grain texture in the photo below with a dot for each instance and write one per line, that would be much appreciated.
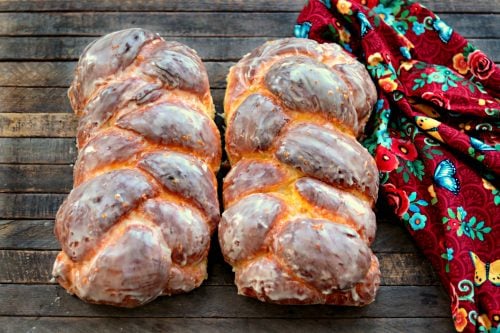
(39, 100)
(216, 325)
(55, 125)
(30, 205)
(167, 24)
(28, 234)
(37, 150)
(485, 6)
(36, 178)
(34, 267)
(37, 124)
(39, 235)
(222, 301)
(70, 48)
(209, 49)
(60, 74)
(196, 24)
(54, 100)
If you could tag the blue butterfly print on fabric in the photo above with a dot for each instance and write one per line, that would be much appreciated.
(443, 29)
(479, 145)
(302, 30)
(445, 176)
(365, 24)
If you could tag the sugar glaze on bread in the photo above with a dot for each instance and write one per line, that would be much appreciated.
(138, 222)
(298, 218)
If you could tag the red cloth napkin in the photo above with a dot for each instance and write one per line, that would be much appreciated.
(434, 135)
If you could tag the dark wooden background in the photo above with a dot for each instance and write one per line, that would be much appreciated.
(40, 42)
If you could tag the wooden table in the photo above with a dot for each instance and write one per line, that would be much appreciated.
(40, 42)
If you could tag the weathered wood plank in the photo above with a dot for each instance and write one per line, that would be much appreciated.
(36, 74)
(168, 24)
(222, 301)
(58, 179)
(38, 124)
(194, 24)
(39, 235)
(209, 49)
(55, 125)
(35, 267)
(70, 48)
(216, 325)
(36, 178)
(54, 100)
(47, 178)
(485, 6)
(30, 205)
(400, 269)
(27, 99)
(60, 74)
(151, 5)
(391, 237)
(28, 234)
(37, 150)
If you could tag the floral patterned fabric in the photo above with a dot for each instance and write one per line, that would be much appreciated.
(434, 135)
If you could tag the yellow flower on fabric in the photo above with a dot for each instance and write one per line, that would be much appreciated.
(483, 320)
(431, 191)
(375, 59)
(387, 84)
(487, 185)
(407, 65)
(460, 64)
(482, 102)
(345, 36)
(460, 319)
(344, 7)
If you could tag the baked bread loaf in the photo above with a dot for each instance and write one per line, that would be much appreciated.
(138, 222)
(298, 218)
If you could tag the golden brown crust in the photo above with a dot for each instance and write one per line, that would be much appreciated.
(299, 220)
(138, 222)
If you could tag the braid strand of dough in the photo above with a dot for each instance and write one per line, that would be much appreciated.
(298, 221)
(138, 222)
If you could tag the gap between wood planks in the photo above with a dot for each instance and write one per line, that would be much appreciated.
(486, 6)
(60, 74)
(37, 234)
(209, 49)
(34, 267)
(194, 24)
(52, 300)
(236, 325)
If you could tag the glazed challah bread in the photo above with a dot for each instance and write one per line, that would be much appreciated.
(298, 221)
(138, 222)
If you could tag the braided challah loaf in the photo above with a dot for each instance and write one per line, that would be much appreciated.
(138, 222)
(299, 220)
